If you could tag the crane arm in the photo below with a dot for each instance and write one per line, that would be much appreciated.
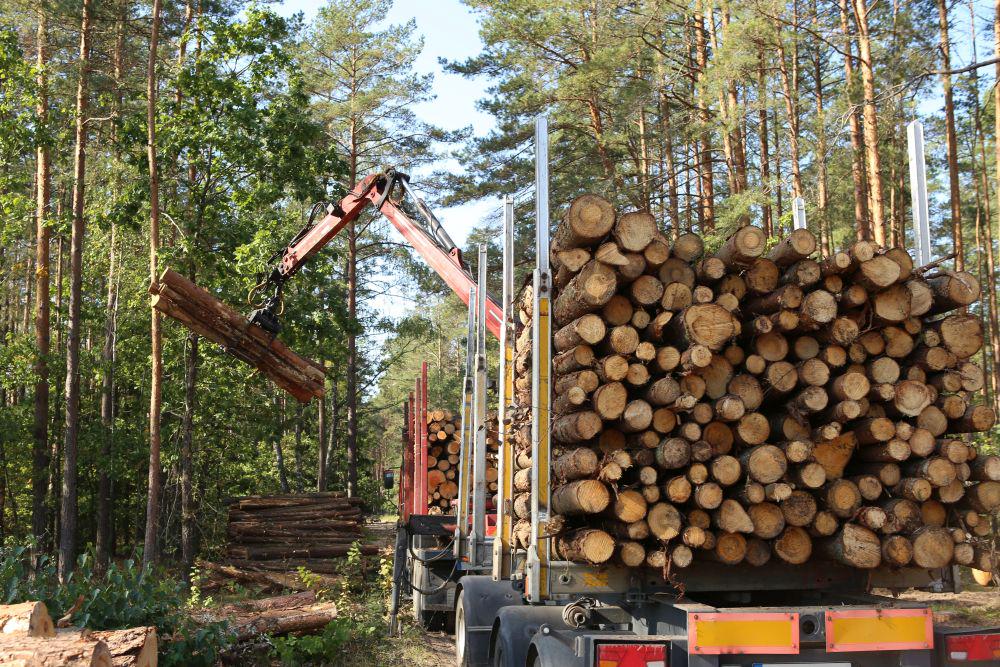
(434, 246)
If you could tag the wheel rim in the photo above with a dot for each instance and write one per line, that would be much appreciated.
(460, 631)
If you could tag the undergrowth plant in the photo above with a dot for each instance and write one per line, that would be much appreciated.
(124, 596)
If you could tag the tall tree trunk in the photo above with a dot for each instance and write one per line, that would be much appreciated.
(43, 183)
(728, 151)
(992, 328)
(732, 97)
(188, 510)
(352, 341)
(333, 440)
(863, 229)
(951, 140)
(279, 455)
(321, 444)
(765, 158)
(104, 539)
(55, 451)
(790, 95)
(104, 545)
(151, 552)
(822, 193)
(670, 178)
(299, 482)
(876, 206)
(68, 506)
(706, 184)
(778, 181)
(990, 263)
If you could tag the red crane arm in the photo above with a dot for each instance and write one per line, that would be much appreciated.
(373, 189)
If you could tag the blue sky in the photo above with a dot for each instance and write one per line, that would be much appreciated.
(450, 31)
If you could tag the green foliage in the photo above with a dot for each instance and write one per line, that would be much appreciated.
(359, 626)
(124, 596)
(332, 641)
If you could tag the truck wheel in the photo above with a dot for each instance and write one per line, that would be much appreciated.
(461, 638)
(498, 657)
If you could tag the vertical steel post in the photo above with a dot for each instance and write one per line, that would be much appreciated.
(418, 473)
(505, 472)
(406, 474)
(798, 213)
(541, 361)
(918, 191)
(465, 450)
(423, 501)
(477, 540)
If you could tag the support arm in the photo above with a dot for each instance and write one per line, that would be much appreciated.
(376, 190)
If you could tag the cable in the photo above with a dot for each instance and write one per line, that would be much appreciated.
(409, 547)
(432, 591)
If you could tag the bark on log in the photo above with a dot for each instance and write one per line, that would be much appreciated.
(854, 546)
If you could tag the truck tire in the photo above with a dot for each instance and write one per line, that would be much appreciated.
(461, 637)
(499, 659)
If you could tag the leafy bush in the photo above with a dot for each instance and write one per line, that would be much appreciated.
(319, 648)
(127, 595)
(358, 629)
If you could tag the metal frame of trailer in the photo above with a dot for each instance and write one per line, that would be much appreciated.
(438, 550)
(535, 610)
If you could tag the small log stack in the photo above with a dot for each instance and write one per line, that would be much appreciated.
(29, 637)
(444, 456)
(754, 403)
(302, 527)
(444, 448)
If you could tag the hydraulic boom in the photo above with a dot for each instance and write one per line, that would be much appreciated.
(433, 244)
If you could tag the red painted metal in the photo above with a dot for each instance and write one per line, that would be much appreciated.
(422, 473)
(406, 483)
(369, 191)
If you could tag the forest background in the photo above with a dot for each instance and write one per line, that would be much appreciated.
(199, 134)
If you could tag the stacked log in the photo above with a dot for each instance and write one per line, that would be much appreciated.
(29, 637)
(444, 447)
(752, 404)
(444, 456)
(302, 527)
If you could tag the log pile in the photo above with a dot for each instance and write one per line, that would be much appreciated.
(29, 637)
(280, 615)
(444, 455)
(201, 312)
(444, 448)
(291, 530)
(754, 404)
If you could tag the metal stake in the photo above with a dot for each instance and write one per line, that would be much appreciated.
(918, 191)
(501, 543)
(541, 362)
(478, 537)
(798, 213)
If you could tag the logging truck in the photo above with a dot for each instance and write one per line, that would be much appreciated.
(573, 577)
(706, 458)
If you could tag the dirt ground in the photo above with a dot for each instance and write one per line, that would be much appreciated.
(977, 606)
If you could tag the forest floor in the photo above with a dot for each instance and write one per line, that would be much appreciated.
(416, 647)
(974, 606)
